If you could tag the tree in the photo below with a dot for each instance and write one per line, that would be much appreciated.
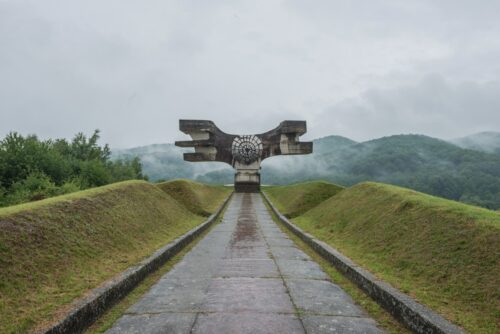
(31, 169)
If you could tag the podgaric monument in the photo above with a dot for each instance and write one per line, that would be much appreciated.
(244, 152)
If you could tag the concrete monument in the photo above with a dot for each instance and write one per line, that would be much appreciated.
(244, 152)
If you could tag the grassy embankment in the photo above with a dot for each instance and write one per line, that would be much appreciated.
(443, 253)
(55, 250)
(199, 198)
(296, 199)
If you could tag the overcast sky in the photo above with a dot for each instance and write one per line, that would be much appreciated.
(360, 69)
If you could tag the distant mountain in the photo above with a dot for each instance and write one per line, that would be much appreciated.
(326, 144)
(419, 162)
(483, 141)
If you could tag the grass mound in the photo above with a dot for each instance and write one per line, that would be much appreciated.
(53, 251)
(201, 199)
(443, 253)
(296, 199)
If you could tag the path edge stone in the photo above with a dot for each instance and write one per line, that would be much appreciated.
(87, 310)
(415, 316)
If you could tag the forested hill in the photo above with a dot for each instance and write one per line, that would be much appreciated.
(419, 162)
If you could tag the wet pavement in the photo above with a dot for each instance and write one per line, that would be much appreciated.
(245, 276)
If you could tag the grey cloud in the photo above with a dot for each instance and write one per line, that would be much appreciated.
(133, 68)
(431, 106)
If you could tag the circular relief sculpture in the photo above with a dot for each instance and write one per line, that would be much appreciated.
(246, 149)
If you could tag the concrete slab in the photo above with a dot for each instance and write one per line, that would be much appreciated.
(175, 323)
(248, 323)
(263, 268)
(301, 269)
(279, 242)
(290, 253)
(248, 294)
(322, 298)
(273, 234)
(326, 325)
(248, 253)
(173, 295)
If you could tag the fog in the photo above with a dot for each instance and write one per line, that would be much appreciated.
(352, 68)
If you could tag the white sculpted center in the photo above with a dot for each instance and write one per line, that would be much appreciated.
(246, 149)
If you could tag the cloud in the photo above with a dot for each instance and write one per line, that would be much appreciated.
(134, 68)
(431, 106)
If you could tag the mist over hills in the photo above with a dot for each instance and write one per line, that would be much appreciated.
(483, 141)
(418, 162)
(165, 161)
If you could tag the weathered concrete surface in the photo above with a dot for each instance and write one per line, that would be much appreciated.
(245, 276)
(246, 152)
(417, 317)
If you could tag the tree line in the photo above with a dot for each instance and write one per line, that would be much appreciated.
(33, 169)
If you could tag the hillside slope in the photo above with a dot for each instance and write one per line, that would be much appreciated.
(442, 252)
(53, 251)
(296, 199)
(201, 199)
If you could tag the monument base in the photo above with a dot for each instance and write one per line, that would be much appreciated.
(247, 187)
(247, 178)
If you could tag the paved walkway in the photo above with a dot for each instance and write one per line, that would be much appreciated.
(245, 276)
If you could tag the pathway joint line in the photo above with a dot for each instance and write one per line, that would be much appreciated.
(417, 317)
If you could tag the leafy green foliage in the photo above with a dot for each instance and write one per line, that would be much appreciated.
(33, 169)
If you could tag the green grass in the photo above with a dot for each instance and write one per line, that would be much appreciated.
(294, 200)
(443, 253)
(55, 250)
(202, 199)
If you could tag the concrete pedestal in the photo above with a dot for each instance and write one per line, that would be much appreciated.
(246, 187)
(247, 177)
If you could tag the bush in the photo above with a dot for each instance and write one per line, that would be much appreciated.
(69, 187)
(35, 187)
(31, 169)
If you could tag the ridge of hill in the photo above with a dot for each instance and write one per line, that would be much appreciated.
(419, 162)
(441, 252)
(199, 198)
(296, 199)
(325, 144)
(55, 250)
